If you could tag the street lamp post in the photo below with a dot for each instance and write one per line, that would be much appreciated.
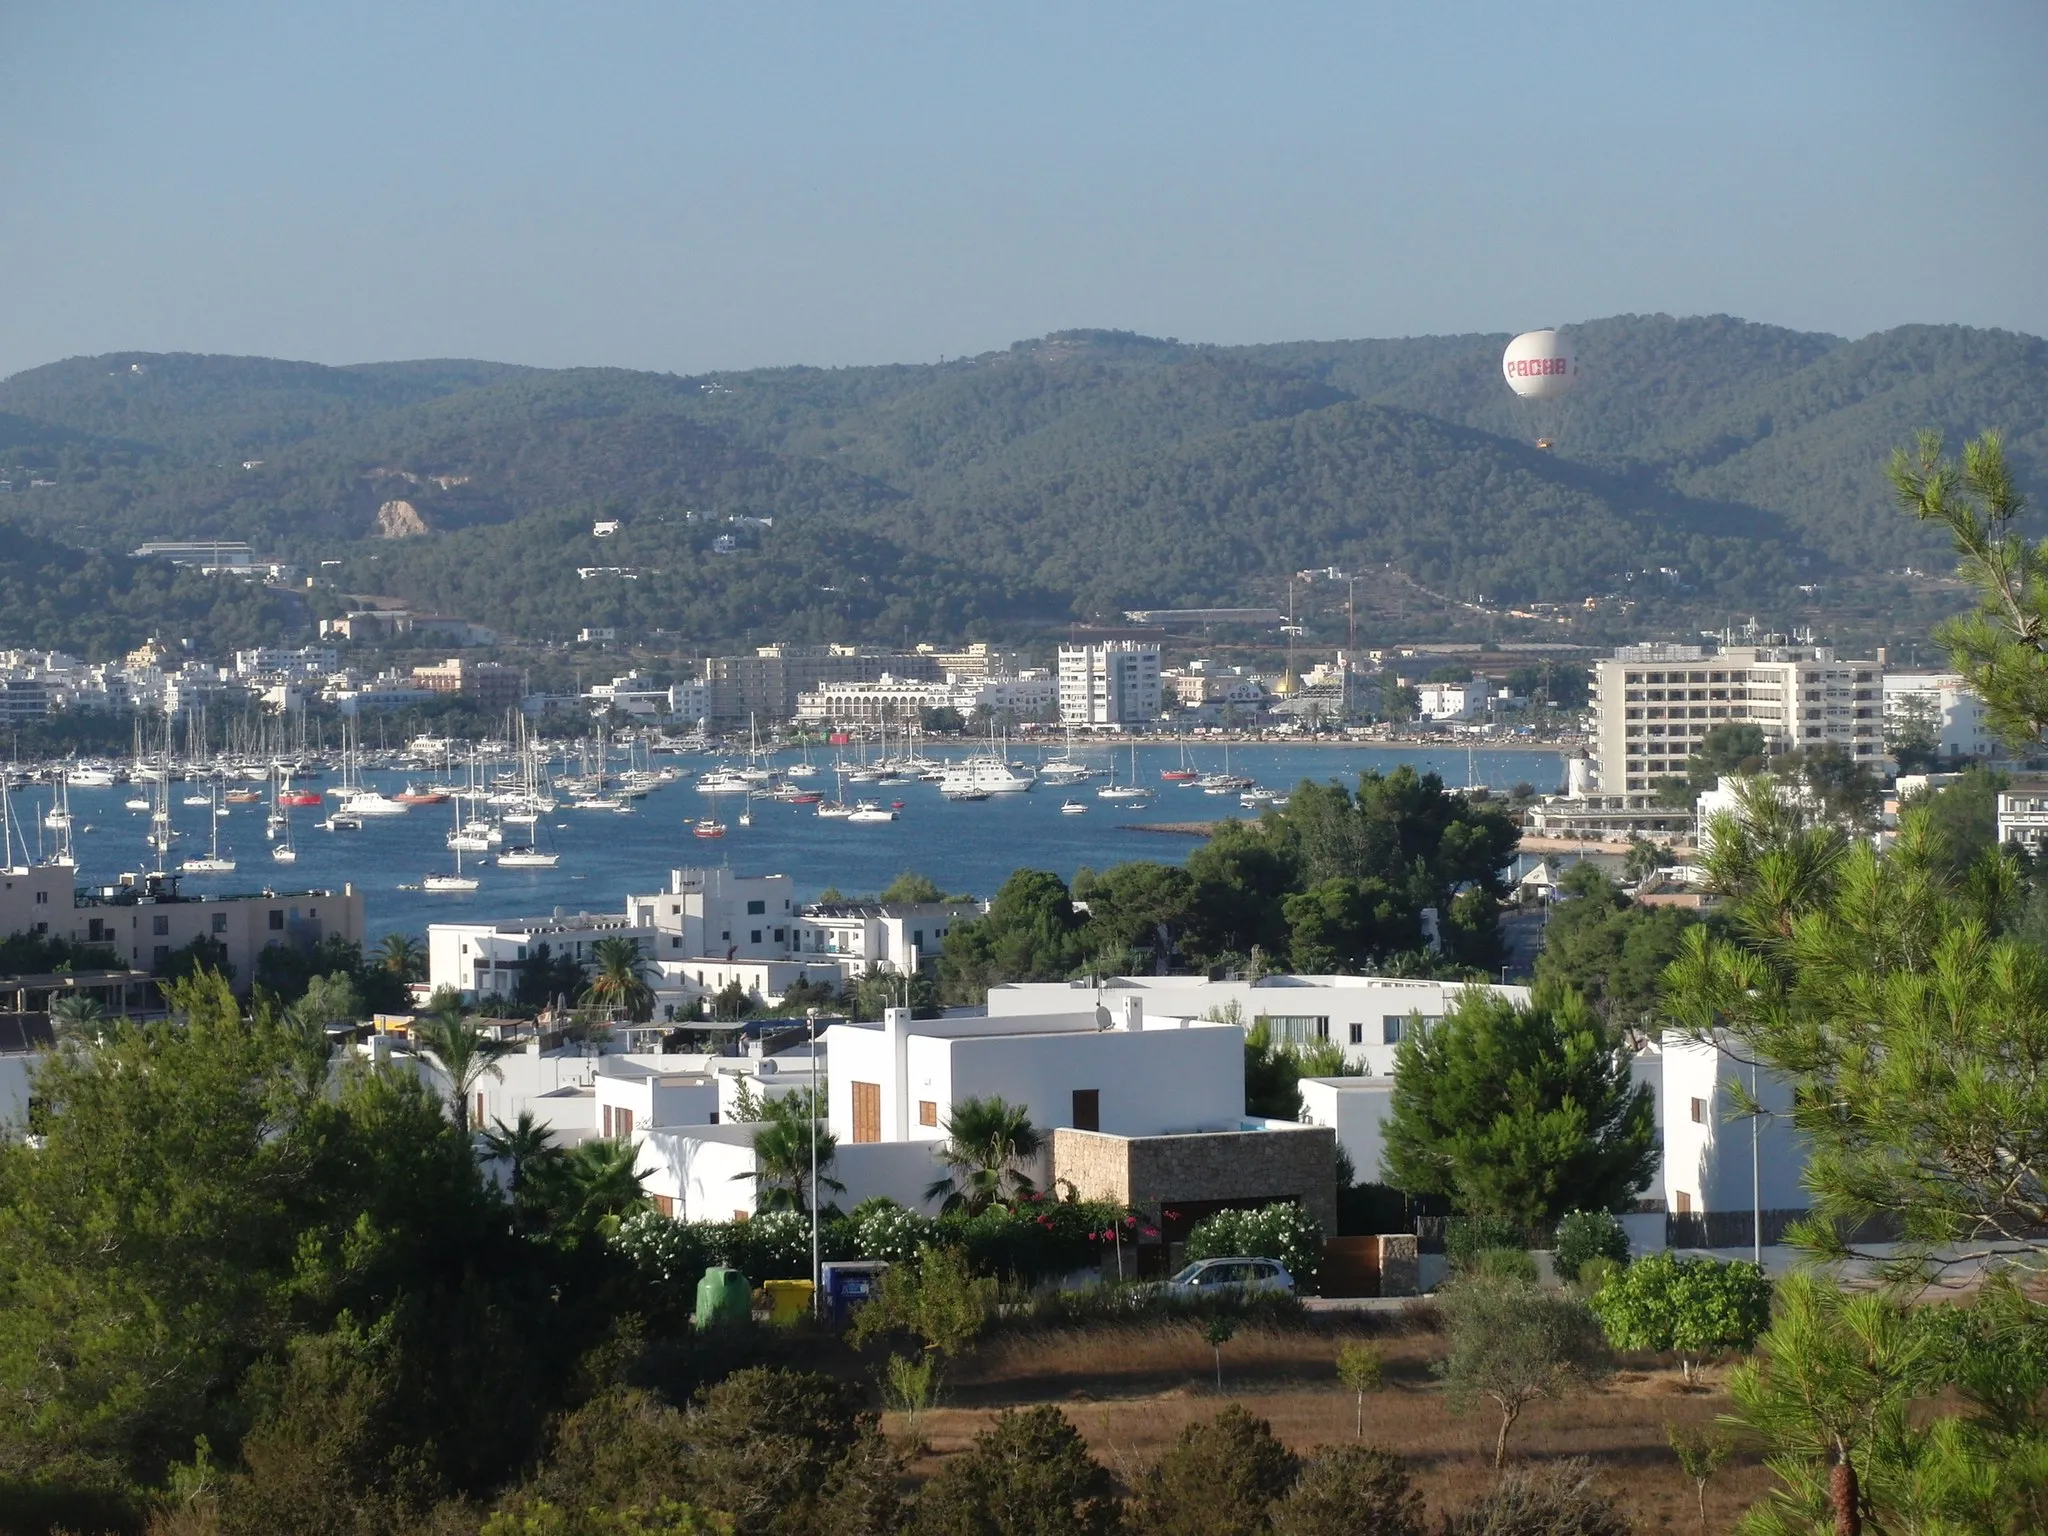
(817, 1276)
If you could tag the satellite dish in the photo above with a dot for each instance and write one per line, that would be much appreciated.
(1540, 365)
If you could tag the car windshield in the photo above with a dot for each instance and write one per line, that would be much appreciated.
(1187, 1276)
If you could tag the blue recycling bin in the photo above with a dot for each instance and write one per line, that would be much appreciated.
(848, 1283)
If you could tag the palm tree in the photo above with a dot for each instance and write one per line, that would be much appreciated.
(782, 1156)
(403, 955)
(593, 1180)
(78, 1016)
(526, 1144)
(988, 1144)
(621, 980)
(464, 1053)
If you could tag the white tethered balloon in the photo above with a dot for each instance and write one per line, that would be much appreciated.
(1540, 365)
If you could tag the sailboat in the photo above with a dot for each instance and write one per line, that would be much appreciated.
(836, 808)
(213, 863)
(1064, 770)
(1186, 773)
(1131, 791)
(282, 850)
(457, 881)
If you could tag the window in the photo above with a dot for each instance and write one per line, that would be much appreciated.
(867, 1111)
(277, 920)
(607, 1122)
(755, 937)
(927, 1111)
(159, 925)
(1684, 1203)
(478, 1117)
(622, 1123)
(781, 934)
(1699, 1111)
(1087, 1109)
(1390, 1029)
(220, 922)
(1296, 1028)
(162, 955)
(665, 1204)
(1358, 1034)
(42, 898)
(756, 908)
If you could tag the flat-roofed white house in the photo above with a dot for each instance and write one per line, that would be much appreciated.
(1365, 1015)
(1713, 1172)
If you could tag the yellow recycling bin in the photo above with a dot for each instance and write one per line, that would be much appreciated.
(788, 1300)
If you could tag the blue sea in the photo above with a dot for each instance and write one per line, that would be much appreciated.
(971, 846)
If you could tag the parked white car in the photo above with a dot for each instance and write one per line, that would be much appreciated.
(1215, 1277)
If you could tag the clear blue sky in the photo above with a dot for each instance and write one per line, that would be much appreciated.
(675, 186)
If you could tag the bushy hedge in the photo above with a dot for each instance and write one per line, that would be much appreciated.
(1284, 1231)
(1584, 1235)
(1466, 1237)
(1027, 1244)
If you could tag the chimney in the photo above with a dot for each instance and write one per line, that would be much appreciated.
(896, 1029)
(1134, 1014)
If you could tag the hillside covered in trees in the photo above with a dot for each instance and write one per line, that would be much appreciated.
(1705, 466)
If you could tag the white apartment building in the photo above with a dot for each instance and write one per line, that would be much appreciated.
(1110, 686)
(1947, 705)
(889, 699)
(302, 661)
(1366, 1015)
(2023, 814)
(710, 928)
(483, 960)
(865, 935)
(1452, 701)
(1653, 703)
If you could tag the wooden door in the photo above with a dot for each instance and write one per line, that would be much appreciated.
(867, 1111)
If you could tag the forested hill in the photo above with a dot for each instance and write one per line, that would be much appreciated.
(1706, 462)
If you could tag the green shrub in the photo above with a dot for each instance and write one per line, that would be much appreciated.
(1596, 1272)
(1135, 1303)
(1560, 1502)
(1466, 1237)
(1584, 1235)
(1343, 1490)
(1690, 1307)
(1028, 1474)
(1504, 1264)
(1217, 1478)
(1283, 1231)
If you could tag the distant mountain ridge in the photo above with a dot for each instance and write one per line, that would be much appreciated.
(1707, 460)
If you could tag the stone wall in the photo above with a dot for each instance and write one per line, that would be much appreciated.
(1150, 1172)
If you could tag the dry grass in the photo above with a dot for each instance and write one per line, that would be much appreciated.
(1130, 1390)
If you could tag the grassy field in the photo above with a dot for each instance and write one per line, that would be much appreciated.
(1131, 1389)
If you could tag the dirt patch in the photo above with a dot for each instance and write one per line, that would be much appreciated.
(1131, 1390)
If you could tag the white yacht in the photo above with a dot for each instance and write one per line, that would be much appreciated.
(869, 811)
(973, 778)
(724, 781)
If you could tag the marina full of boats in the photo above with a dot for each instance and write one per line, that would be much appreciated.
(501, 799)
(831, 817)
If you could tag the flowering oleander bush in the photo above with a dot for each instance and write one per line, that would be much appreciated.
(1584, 1235)
(1285, 1232)
(883, 1229)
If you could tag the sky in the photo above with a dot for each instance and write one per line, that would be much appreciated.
(682, 187)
